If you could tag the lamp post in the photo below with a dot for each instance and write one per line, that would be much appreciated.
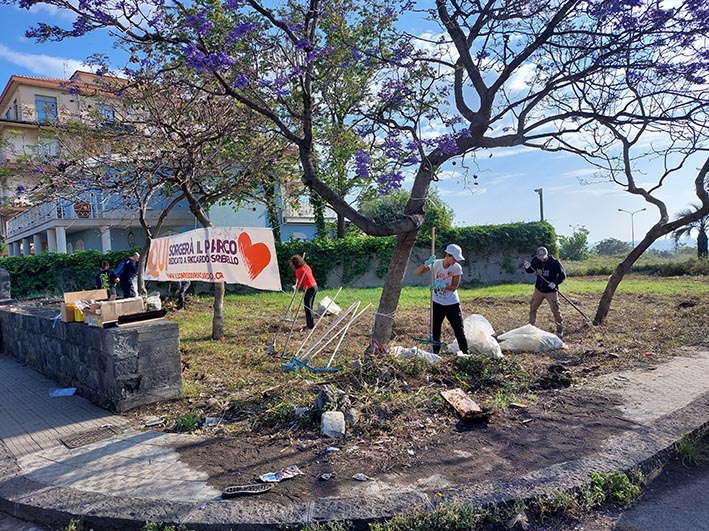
(632, 223)
(541, 203)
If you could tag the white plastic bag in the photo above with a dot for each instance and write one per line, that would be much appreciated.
(329, 306)
(153, 301)
(529, 338)
(479, 333)
(414, 352)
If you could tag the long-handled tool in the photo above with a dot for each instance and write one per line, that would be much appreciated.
(285, 319)
(588, 321)
(430, 300)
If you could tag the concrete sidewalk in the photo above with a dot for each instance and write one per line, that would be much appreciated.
(132, 476)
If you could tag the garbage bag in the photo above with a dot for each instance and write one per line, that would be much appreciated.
(529, 338)
(153, 302)
(479, 333)
(329, 306)
(414, 352)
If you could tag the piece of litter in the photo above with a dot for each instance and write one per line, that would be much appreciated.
(284, 473)
(211, 421)
(66, 391)
(153, 421)
(410, 452)
(242, 490)
(361, 477)
(326, 477)
(331, 449)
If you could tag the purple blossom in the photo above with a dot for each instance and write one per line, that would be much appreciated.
(391, 147)
(447, 144)
(362, 161)
(201, 62)
(234, 5)
(389, 182)
(241, 81)
(239, 31)
(200, 23)
(482, 54)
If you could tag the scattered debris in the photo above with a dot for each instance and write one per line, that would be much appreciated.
(466, 407)
(361, 477)
(520, 520)
(153, 421)
(557, 376)
(326, 477)
(332, 424)
(331, 449)
(66, 391)
(240, 490)
(284, 473)
(517, 405)
(687, 304)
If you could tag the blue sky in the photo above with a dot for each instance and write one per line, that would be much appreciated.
(506, 180)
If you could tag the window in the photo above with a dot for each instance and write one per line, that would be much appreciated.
(106, 115)
(46, 108)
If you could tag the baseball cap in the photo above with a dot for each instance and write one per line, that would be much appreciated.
(455, 251)
(542, 252)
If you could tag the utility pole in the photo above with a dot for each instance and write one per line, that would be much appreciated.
(541, 203)
(632, 223)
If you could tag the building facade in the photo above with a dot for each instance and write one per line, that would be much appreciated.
(92, 220)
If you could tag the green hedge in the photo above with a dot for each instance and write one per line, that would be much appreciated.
(52, 274)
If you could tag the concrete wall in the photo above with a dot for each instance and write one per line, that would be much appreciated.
(494, 269)
(115, 368)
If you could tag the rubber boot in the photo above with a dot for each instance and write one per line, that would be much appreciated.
(559, 331)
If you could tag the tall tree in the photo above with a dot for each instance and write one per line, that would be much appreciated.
(701, 225)
(545, 75)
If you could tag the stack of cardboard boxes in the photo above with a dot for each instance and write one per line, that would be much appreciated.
(94, 308)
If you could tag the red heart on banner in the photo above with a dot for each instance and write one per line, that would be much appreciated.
(256, 256)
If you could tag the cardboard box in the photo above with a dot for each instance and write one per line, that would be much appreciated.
(103, 312)
(86, 295)
(69, 313)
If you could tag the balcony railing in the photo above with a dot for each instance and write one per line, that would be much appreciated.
(59, 210)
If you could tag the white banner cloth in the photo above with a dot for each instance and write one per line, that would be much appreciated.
(234, 255)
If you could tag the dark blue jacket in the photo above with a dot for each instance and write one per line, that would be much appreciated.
(550, 270)
(126, 278)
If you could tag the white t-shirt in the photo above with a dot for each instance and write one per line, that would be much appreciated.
(445, 297)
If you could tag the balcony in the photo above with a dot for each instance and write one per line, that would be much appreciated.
(65, 213)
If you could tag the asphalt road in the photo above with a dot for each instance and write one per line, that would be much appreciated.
(675, 501)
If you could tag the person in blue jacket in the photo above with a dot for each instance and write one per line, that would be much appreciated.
(128, 275)
(550, 273)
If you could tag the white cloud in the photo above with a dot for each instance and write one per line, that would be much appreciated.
(40, 64)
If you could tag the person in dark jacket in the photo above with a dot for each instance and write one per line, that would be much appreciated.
(107, 279)
(128, 276)
(550, 273)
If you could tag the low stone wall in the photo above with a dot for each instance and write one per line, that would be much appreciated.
(115, 368)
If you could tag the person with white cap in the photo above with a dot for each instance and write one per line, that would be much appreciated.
(445, 300)
(550, 273)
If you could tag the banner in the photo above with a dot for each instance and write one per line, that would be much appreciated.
(233, 255)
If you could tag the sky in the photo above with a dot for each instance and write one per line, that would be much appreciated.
(507, 178)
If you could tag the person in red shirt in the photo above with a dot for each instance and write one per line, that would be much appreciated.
(305, 280)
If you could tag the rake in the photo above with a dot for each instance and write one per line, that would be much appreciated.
(303, 361)
(586, 318)
(285, 319)
(430, 300)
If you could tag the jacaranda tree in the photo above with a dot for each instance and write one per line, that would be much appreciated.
(543, 74)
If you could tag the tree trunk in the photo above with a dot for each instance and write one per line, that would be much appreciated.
(384, 319)
(218, 315)
(340, 226)
(702, 245)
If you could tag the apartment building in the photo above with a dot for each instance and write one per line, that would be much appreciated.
(92, 220)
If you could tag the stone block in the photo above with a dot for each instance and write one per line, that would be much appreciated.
(332, 424)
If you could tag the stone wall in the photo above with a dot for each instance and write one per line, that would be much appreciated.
(115, 368)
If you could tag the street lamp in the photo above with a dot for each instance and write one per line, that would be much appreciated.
(632, 224)
(541, 203)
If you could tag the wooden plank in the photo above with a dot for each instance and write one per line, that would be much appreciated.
(466, 407)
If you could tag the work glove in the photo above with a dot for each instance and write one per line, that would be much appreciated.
(439, 284)
(430, 260)
(527, 264)
(552, 285)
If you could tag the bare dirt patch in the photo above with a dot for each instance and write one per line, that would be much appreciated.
(402, 429)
